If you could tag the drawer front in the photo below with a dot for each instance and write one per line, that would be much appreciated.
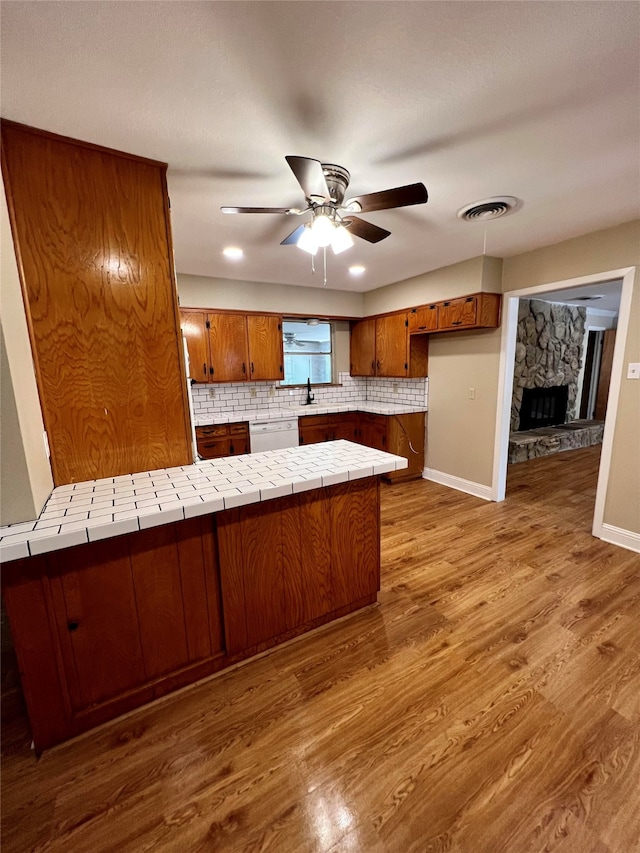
(239, 429)
(214, 431)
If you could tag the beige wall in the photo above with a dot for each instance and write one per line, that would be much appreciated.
(200, 292)
(460, 434)
(601, 251)
(445, 283)
(25, 473)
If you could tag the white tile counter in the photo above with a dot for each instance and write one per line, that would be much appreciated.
(282, 413)
(101, 509)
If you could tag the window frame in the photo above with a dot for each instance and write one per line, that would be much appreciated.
(331, 354)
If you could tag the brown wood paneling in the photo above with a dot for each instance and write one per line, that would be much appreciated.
(315, 554)
(94, 256)
(231, 559)
(392, 345)
(98, 621)
(35, 643)
(228, 343)
(604, 379)
(406, 437)
(194, 588)
(293, 575)
(418, 355)
(212, 580)
(458, 312)
(194, 328)
(264, 333)
(363, 348)
(263, 570)
(156, 575)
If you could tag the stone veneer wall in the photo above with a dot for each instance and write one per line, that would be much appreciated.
(549, 349)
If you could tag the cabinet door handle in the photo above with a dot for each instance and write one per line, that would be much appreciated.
(244, 367)
(378, 365)
(446, 304)
(252, 367)
(456, 322)
(72, 625)
(422, 327)
(373, 365)
(211, 371)
(204, 367)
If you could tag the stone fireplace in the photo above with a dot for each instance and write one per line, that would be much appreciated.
(543, 407)
(549, 347)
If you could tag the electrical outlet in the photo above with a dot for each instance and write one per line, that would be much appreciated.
(394, 388)
(472, 393)
(212, 393)
(272, 391)
(253, 392)
(633, 370)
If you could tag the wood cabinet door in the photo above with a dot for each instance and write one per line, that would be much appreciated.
(266, 359)
(363, 348)
(228, 347)
(392, 345)
(343, 427)
(424, 318)
(194, 328)
(458, 312)
(406, 434)
(92, 233)
(373, 431)
(94, 605)
(354, 536)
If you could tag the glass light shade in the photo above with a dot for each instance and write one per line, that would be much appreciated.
(307, 241)
(341, 240)
(323, 229)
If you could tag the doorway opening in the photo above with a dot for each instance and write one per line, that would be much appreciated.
(611, 376)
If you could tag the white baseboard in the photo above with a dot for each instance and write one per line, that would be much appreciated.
(475, 489)
(619, 536)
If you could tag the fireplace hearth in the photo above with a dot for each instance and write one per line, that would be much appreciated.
(543, 407)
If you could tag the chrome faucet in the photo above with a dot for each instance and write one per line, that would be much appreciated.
(310, 397)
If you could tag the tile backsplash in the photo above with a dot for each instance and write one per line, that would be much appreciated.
(239, 396)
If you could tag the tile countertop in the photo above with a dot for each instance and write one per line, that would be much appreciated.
(101, 509)
(263, 414)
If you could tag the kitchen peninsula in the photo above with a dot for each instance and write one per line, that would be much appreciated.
(129, 587)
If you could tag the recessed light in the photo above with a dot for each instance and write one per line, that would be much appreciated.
(233, 253)
(356, 269)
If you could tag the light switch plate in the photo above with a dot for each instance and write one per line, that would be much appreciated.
(633, 370)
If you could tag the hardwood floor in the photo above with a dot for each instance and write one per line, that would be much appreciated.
(490, 702)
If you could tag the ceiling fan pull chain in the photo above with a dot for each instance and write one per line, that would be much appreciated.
(313, 265)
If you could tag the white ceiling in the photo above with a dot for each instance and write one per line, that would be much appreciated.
(538, 100)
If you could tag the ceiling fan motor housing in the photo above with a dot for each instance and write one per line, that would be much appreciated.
(337, 179)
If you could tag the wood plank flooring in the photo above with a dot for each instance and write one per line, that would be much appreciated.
(490, 702)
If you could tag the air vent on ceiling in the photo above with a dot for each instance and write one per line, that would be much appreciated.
(489, 208)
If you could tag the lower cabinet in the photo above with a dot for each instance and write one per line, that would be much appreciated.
(222, 440)
(403, 435)
(104, 627)
(294, 561)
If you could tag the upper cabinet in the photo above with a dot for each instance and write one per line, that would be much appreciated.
(92, 233)
(477, 311)
(228, 347)
(382, 346)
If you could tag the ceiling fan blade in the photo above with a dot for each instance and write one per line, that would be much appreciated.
(386, 199)
(293, 238)
(288, 210)
(310, 176)
(369, 232)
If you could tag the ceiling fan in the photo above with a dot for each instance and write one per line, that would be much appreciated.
(332, 218)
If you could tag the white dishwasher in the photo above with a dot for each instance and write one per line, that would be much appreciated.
(273, 435)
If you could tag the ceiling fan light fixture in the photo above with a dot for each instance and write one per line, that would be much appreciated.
(322, 229)
(357, 269)
(341, 240)
(308, 241)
